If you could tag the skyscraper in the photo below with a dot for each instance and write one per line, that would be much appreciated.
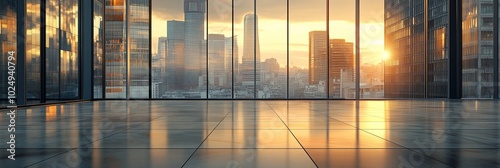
(216, 56)
(251, 52)
(194, 15)
(416, 36)
(175, 55)
(477, 44)
(231, 54)
(317, 57)
(127, 49)
(162, 56)
(341, 58)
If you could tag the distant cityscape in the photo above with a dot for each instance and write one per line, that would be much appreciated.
(180, 65)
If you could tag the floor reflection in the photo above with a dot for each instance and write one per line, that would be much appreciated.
(392, 133)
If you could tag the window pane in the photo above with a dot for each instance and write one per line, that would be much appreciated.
(247, 79)
(138, 22)
(477, 51)
(342, 69)
(52, 48)
(98, 47)
(33, 51)
(273, 49)
(308, 49)
(8, 42)
(220, 47)
(115, 49)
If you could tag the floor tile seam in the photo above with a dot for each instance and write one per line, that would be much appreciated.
(411, 149)
(293, 135)
(199, 146)
(56, 155)
(470, 139)
(79, 146)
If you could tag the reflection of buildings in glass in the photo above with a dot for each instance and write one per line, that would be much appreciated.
(477, 43)
(317, 57)
(138, 48)
(216, 56)
(175, 55)
(194, 15)
(341, 58)
(8, 41)
(406, 69)
(62, 49)
(98, 21)
(127, 49)
(32, 50)
(115, 49)
(251, 53)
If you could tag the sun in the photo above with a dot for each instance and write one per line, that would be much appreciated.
(386, 55)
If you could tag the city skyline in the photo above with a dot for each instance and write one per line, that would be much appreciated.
(270, 21)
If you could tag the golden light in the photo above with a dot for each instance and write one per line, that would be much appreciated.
(386, 55)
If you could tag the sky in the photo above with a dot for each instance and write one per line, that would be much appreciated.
(305, 16)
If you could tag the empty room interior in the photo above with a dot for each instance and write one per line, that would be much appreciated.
(249, 83)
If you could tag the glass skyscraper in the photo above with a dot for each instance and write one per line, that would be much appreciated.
(250, 67)
(194, 15)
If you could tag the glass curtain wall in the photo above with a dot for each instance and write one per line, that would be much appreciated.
(8, 43)
(33, 51)
(138, 48)
(61, 50)
(404, 49)
(98, 43)
(477, 53)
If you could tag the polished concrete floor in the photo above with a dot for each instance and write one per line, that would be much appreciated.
(392, 133)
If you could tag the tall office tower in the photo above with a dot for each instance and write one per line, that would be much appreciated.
(138, 48)
(127, 49)
(231, 54)
(115, 49)
(416, 36)
(477, 43)
(194, 15)
(317, 57)
(251, 52)
(216, 60)
(341, 58)
(175, 55)
(162, 47)
(162, 56)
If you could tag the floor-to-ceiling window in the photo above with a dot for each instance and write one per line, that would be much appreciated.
(308, 49)
(33, 51)
(61, 50)
(98, 43)
(251, 49)
(220, 49)
(273, 40)
(372, 53)
(8, 43)
(477, 52)
(341, 48)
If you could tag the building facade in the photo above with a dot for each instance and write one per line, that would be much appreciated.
(250, 67)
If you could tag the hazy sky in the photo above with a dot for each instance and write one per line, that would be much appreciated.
(305, 16)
